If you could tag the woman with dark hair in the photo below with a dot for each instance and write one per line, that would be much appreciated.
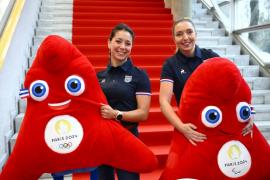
(127, 89)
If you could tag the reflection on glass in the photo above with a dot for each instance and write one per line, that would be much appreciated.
(259, 41)
(225, 7)
(251, 12)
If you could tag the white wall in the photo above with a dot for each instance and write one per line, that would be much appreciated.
(12, 73)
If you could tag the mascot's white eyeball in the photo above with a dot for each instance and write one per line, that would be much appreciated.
(211, 116)
(243, 112)
(39, 90)
(74, 85)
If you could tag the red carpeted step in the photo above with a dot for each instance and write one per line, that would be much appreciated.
(156, 117)
(161, 151)
(116, 3)
(105, 31)
(155, 82)
(120, 1)
(154, 135)
(152, 71)
(109, 9)
(131, 23)
(155, 100)
(139, 40)
(120, 16)
(152, 175)
(151, 22)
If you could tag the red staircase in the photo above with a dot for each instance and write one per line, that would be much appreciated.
(92, 23)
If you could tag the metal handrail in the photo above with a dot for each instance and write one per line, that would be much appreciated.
(237, 34)
(230, 28)
(264, 65)
(252, 28)
(214, 7)
(5, 16)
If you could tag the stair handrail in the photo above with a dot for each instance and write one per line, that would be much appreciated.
(264, 63)
(9, 28)
(5, 10)
(213, 6)
(229, 26)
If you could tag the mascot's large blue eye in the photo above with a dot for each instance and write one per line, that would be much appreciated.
(74, 85)
(211, 116)
(39, 90)
(243, 111)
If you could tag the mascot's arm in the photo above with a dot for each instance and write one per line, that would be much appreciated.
(132, 155)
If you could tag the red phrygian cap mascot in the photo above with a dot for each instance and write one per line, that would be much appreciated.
(216, 99)
(63, 128)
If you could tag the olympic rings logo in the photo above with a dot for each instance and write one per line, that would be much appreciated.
(65, 145)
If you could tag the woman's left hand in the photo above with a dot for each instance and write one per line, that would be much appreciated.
(107, 111)
(248, 128)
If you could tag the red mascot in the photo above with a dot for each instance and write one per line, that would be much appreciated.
(63, 128)
(217, 100)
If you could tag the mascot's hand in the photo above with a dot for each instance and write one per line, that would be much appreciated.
(189, 131)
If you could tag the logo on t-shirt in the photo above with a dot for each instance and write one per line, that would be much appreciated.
(182, 71)
(128, 79)
(103, 81)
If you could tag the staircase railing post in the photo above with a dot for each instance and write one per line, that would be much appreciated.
(168, 3)
(179, 8)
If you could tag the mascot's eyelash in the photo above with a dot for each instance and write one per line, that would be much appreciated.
(24, 93)
(252, 109)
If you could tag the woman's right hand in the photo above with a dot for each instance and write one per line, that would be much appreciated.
(107, 111)
(189, 131)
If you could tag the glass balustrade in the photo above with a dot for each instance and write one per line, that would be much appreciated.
(249, 20)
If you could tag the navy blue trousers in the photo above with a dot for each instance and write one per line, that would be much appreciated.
(107, 172)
